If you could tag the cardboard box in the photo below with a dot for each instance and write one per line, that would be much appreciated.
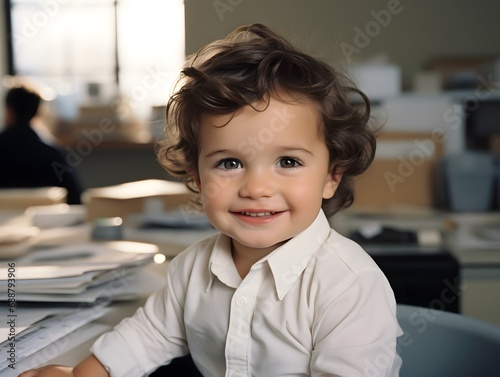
(22, 198)
(402, 174)
(150, 195)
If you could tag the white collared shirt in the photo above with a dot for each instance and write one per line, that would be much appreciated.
(316, 306)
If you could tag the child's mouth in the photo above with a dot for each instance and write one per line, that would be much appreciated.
(257, 214)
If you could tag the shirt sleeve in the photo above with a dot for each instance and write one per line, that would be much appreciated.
(356, 332)
(153, 336)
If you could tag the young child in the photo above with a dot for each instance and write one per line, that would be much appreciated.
(271, 139)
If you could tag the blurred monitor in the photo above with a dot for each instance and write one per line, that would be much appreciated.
(482, 124)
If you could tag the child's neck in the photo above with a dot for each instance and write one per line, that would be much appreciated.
(244, 257)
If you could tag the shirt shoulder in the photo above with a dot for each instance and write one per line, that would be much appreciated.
(196, 255)
(341, 263)
(348, 254)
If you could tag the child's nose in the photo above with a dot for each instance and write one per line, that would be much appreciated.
(257, 184)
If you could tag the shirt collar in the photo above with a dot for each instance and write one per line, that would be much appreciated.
(221, 263)
(286, 262)
(289, 261)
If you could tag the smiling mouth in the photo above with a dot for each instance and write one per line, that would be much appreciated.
(257, 214)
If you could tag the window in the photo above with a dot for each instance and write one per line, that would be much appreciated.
(94, 51)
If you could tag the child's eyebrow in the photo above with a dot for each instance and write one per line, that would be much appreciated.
(217, 152)
(288, 149)
(280, 150)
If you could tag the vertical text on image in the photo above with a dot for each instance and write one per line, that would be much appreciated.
(11, 315)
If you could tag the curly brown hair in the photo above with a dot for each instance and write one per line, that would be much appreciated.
(253, 64)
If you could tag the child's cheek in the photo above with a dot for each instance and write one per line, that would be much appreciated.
(213, 188)
(304, 195)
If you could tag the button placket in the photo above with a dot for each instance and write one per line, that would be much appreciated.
(239, 331)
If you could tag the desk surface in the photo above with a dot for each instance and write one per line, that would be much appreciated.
(459, 237)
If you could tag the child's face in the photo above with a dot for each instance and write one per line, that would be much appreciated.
(263, 175)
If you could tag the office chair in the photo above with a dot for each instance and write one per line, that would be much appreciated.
(443, 344)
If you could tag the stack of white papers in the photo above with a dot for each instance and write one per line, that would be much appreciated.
(87, 273)
(52, 294)
(38, 328)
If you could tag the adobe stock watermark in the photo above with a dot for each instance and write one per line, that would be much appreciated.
(31, 26)
(154, 78)
(91, 139)
(455, 114)
(425, 149)
(84, 147)
(223, 6)
(363, 36)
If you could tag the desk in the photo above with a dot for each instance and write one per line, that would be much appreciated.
(479, 263)
(480, 266)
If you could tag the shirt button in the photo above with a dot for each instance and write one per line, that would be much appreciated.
(241, 302)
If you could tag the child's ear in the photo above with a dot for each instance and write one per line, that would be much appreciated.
(332, 182)
(196, 179)
(197, 182)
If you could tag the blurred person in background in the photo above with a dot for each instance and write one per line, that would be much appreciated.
(26, 160)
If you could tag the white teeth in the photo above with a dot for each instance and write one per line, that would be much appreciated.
(258, 214)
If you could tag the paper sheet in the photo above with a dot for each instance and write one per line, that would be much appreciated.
(49, 331)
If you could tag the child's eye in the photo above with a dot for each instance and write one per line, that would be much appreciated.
(289, 162)
(228, 164)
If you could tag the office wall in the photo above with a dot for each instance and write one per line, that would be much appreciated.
(415, 32)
